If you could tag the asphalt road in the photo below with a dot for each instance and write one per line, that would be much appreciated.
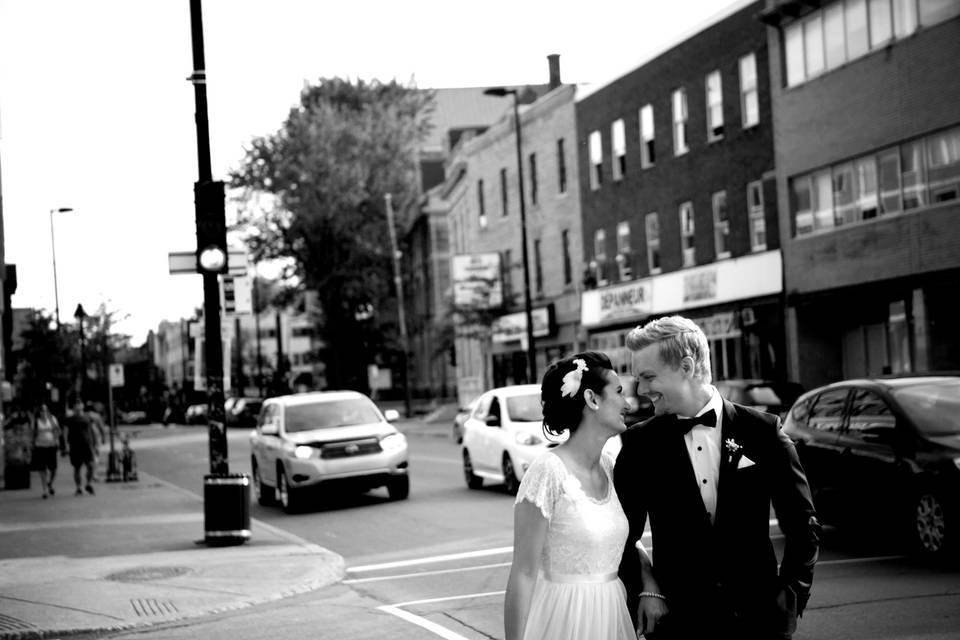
(435, 565)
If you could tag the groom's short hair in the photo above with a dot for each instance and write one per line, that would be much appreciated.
(677, 337)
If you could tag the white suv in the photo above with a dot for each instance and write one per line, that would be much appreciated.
(303, 440)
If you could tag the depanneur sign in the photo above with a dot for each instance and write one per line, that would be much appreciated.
(616, 304)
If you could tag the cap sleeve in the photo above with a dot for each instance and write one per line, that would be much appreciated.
(541, 484)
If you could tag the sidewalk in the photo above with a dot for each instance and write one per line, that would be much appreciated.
(129, 556)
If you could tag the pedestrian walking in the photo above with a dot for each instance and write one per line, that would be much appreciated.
(81, 446)
(47, 437)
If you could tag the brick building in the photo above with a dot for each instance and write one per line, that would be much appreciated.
(867, 131)
(679, 198)
(484, 212)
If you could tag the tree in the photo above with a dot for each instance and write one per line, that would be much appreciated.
(313, 196)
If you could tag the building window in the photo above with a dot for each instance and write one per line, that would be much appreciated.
(533, 179)
(749, 96)
(567, 264)
(619, 137)
(600, 245)
(721, 224)
(623, 237)
(596, 161)
(916, 174)
(687, 239)
(848, 29)
(504, 198)
(561, 168)
(538, 267)
(881, 22)
(680, 122)
(623, 251)
(836, 52)
(715, 106)
(480, 204)
(648, 155)
(756, 216)
(813, 45)
(506, 275)
(652, 226)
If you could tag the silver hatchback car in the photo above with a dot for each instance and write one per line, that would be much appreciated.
(335, 438)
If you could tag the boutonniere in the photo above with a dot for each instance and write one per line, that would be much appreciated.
(732, 445)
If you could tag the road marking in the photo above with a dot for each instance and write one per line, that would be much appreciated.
(431, 559)
(434, 460)
(856, 560)
(398, 576)
(433, 627)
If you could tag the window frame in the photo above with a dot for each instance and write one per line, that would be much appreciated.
(648, 155)
(749, 91)
(756, 216)
(688, 234)
(681, 116)
(561, 167)
(618, 146)
(721, 227)
(651, 225)
(714, 104)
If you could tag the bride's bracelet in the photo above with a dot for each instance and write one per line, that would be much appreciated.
(652, 594)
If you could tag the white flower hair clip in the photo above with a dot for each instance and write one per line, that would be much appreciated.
(571, 381)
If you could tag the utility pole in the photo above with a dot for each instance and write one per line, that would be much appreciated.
(401, 315)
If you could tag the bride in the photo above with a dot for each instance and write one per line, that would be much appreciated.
(569, 527)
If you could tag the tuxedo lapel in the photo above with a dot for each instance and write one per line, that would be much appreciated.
(729, 456)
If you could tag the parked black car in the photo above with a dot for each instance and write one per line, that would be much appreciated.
(885, 451)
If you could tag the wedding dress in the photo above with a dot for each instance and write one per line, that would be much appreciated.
(577, 595)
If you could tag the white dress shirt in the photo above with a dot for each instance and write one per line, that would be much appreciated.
(703, 445)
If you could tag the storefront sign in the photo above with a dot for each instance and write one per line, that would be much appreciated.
(719, 326)
(476, 281)
(513, 326)
(701, 286)
(631, 301)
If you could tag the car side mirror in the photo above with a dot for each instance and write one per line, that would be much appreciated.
(270, 428)
(492, 421)
(391, 415)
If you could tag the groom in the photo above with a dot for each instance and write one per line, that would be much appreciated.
(705, 471)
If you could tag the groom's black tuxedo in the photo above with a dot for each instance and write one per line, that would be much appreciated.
(722, 575)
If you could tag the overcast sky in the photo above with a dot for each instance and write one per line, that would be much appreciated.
(96, 113)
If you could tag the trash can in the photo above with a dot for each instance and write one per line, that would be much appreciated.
(226, 508)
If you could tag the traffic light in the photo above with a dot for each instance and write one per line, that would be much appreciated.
(228, 291)
(211, 227)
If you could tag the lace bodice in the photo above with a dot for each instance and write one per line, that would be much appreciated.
(584, 535)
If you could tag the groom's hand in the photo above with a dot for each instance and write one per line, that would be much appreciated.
(649, 613)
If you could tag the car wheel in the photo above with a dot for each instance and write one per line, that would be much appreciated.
(286, 493)
(929, 524)
(266, 496)
(510, 481)
(399, 488)
(473, 481)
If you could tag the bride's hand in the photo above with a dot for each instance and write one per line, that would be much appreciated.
(650, 611)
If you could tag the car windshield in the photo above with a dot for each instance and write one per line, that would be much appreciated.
(331, 413)
(933, 406)
(525, 408)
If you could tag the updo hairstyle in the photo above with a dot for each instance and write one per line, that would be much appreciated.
(563, 413)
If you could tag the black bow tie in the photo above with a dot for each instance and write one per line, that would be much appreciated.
(708, 419)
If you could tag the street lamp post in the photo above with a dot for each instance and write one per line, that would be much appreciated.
(527, 305)
(53, 252)
(80, 314)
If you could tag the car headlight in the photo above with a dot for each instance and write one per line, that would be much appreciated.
(303, 452)
(528, 439)
(393, 441)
